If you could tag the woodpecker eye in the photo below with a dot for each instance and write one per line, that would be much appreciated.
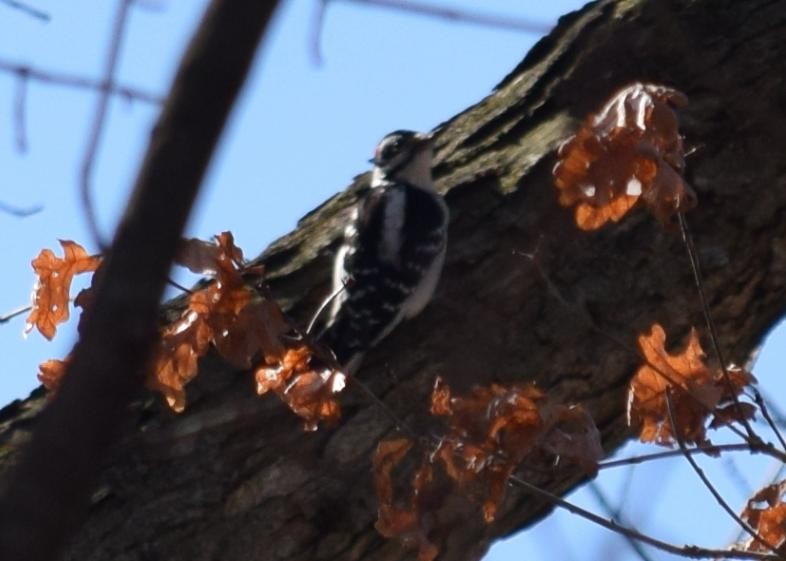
(390, 150)
(395, 148)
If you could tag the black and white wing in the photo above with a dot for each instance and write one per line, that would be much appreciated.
(391, 262)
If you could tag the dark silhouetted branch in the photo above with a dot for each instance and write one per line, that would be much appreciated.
(47, 492)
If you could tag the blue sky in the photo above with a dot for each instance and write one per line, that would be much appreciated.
(300, 133)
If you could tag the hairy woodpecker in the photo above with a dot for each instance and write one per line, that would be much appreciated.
(393, 250)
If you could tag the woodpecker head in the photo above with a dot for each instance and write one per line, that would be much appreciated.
(404, 156)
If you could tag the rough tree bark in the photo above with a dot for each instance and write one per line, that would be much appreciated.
(234, 477)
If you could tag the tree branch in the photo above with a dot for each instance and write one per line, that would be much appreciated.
(78, 82)
(44, 498)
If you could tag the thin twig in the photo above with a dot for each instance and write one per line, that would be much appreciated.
(429, 10)
(696, 268)
(79, 82)
(316, 31)
(701, 449)
(99, 119)
(612, 513)
(20, 113)
(704, 479)
(40, 15)
(20, 212)
(179, 286)
(325, 303)
(329, 360)
(684, 551)
(572, 307)
(152, 6)
(8, 316)
(461, 16)
(400, 423)
(759, 400)
(777, 415)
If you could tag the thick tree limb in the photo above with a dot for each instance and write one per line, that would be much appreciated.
(46, 495)
(233, 478)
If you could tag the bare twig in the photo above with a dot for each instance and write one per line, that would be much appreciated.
(99, 119)
(429, 10)
(20, 212)
(459, 16)
(397, 421)
(696, 268)
(8, 316)
(152, 6)
(316, 31)
(613, 513)
(701, 449)
(570, 306)
(704, 479)
(20, 113)
(179, 286)
(691, 551)
(759, 400)
(27, 10)
(323, 306)
(329, 360)
(78, 82)
(776, 414)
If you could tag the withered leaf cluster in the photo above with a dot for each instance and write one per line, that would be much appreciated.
(53, 285)
(242, 324)
(696, 391)
(490, 433)
(308, 391)
(765, 512)
(629, 151)
(404, 518)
